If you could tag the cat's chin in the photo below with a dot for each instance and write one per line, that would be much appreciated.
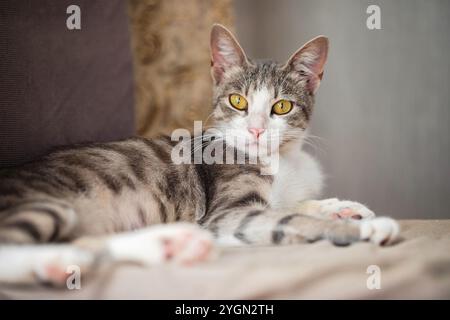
(254, 150)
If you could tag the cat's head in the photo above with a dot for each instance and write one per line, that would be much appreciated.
(255, 102)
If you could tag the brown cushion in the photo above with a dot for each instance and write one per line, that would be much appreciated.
(59, 86)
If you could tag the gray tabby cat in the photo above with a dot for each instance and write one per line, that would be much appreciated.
(128, 201)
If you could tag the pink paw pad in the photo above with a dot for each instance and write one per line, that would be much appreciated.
(186, 248)
(346, 213)
(55, 274)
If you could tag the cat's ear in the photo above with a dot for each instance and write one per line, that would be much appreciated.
(226, 52)
(309, 61)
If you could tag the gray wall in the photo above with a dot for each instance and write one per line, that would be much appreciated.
(383, 109)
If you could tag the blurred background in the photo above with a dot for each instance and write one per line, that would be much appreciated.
(381, 122)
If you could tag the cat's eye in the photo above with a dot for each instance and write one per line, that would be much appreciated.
(282, 107)
(238, 101)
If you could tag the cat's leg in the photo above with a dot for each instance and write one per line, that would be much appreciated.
(255, 224)
(37, 221)
(179, 243)
(182, 243)
(46, 263)
(335, 209)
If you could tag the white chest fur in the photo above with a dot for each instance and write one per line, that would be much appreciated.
(299, 178)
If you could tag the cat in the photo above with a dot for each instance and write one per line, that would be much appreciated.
(128, 201)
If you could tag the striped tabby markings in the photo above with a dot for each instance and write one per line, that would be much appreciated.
(30, 226)
(240, 231)
(158, 150)
(12, 204)
(135, 158)
(27, 227)
(278, 233)
(253, 171)
(249, 199)
(246, 200)
(24, 181)
(35, 173)
(79, 183)
(128, 181)
(109, 181)
(213, 223)
(208, 185)
(58, 181)
(172, 180)
(142, 217)
(104, 159)
(162, 210)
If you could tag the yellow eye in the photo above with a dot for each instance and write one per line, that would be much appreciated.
(238, 101)
(282, 107)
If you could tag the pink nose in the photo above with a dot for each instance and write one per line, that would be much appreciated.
(256, 131)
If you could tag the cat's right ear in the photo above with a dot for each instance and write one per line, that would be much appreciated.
(226, 53)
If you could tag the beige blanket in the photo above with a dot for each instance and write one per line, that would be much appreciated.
(417, 267)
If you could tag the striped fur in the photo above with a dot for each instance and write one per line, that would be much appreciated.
(99, 188)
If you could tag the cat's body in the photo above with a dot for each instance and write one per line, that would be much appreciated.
(101, 189)
(96, 195)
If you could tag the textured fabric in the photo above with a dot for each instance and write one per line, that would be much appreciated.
(172, 61)
(60, 86)
(417, 267)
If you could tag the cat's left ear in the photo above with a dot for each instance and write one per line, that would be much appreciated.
(309, 61)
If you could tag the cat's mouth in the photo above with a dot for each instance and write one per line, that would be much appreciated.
(260, 148)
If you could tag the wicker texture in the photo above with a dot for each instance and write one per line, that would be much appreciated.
(170, 42)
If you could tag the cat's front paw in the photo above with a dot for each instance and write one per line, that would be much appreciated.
(55, 266)
(180, 243)
(380, 231)
(50, 264)
(337, 209)
(187, 244)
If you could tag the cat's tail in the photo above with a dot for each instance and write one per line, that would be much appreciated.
(37, 222)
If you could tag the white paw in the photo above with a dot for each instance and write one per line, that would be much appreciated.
(180, 243)
(380, 231)
(45, 263)
(55, 267)
(337, 209)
